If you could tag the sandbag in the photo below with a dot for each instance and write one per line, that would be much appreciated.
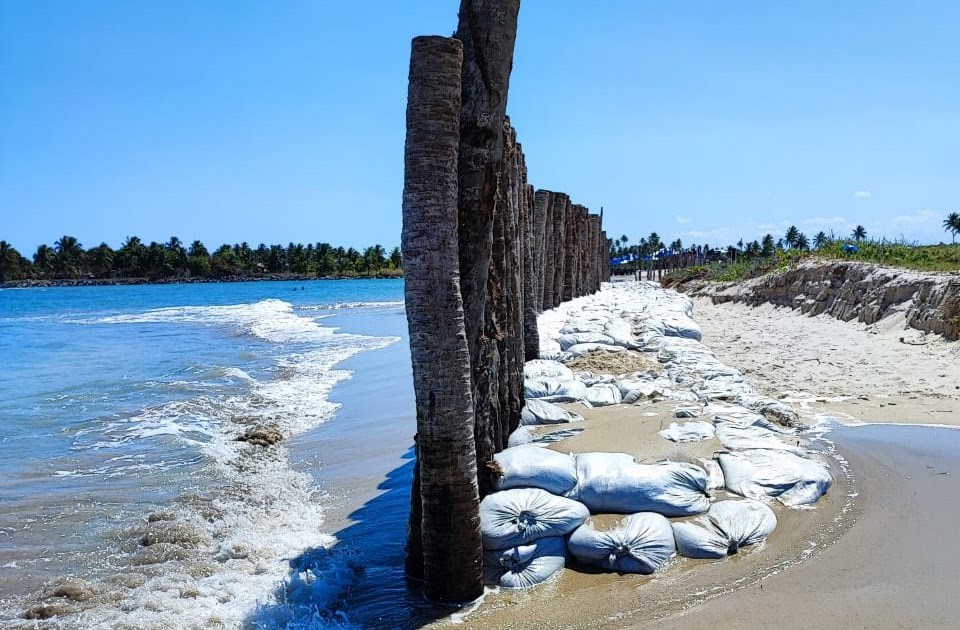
(679, 325)
(536, 411)
(546, 369)
(714, 473)
(724, 529)
(753, 437)
(603, 395)
(567, 341)
(522, 515)
(696, 431)
(789, 478)
(530, 466)
(622, 333)
(615, 483)
(640, 543)
(581, 349)
(525, 565)
(553, 390)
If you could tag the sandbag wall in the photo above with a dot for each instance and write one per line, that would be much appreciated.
(518, 251)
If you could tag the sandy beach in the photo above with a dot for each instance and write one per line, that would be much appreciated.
(872, 553)
(894, 568)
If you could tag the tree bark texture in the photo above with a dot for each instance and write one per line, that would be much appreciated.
(450, 526)
(484, 253)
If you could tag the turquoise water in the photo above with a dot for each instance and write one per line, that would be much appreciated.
(121, 472)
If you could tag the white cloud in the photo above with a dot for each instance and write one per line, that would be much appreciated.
(826, 221)
(922, 216)
(862, 194)
(683, 220)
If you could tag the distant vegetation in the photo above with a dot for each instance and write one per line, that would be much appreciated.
(67, 259)
(751, 259)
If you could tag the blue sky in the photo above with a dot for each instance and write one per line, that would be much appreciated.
(259, 121)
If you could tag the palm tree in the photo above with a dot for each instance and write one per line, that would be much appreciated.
(791, 236)
(768, 247)
(820, 239)
(859, 233)
(100, 259)
(952, 225)
(69, 260)
(447, 527)
(9, 262)
(43, 260)
(802, 243)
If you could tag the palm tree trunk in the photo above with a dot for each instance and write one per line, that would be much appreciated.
(488, 31)
(450, 526)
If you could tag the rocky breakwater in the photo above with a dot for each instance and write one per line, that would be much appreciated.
(865, 292)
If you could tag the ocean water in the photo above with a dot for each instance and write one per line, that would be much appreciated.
(133, 490)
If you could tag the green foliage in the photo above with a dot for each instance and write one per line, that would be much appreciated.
(67, 259)
(899, 254)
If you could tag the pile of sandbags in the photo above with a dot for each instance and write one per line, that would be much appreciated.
(517, 526)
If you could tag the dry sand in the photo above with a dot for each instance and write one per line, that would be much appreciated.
(822, 366)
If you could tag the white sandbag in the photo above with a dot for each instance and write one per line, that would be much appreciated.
(525, 565)
(724, 529)
(603, 395)
(567, 341)
(640, 543)
(522, 435)
(714, 473)
(553, 390)
(753, 437)
(614, 483)
(546, 369)
(687, 412)
(549, 349)
(679, 325)
(522, 515)
(696, 431)
(622, 333)
(586, 348)
(530, 466)
(537, 411)
(790, 479)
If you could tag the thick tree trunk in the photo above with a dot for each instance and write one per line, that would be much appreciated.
(531, 334)
(450, 524)
(488, 30)
(541, 211)
(561, 202)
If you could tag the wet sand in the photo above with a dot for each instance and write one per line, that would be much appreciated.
(896, 567)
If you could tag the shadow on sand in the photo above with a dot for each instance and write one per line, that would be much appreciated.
(359, 582)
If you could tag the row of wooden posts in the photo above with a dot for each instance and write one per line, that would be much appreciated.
(483, 254)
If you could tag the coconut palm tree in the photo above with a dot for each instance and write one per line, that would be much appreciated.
(9, 262)
(952, 225)
(859, 233)
(43, 260)
(768, 246)
(791, 236)
(69, 260)
(802, 242)
(820, 239)
(447, 528)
